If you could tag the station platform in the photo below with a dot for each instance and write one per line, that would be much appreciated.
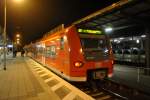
(132, 76)
(25, 79)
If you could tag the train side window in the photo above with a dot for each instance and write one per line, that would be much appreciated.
(119, 52)
(48, 51)
(142, 52)
(53, 51)
(62, 43)
(135, 52)
(41, 50)
(114, 51)
(126, 52)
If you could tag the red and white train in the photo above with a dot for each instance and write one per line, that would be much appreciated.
(74, 53)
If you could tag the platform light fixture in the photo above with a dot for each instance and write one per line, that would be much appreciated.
(18, 35)
(18, 1)
(10, 45)
(137, 41)
(18, 42)
(121, 38)
(115, 40)
(130, 38)
(108, 29)
(143, 36)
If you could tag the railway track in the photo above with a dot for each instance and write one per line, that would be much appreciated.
(110, 90)
(98, 93)
(131, 93)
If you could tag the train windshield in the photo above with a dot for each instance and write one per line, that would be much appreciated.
(95, 44)
(95, 48)
(93, 39)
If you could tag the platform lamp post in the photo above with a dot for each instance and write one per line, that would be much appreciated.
(4, 34)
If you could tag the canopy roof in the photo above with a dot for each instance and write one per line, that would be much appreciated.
(125, 17)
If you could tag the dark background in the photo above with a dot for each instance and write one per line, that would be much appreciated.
(33, 18)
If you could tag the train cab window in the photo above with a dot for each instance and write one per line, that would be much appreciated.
(135, 52)
(96, 43)
(119, 51)
(62, 43)
(126, 52)
(142, 52)
(114, 51)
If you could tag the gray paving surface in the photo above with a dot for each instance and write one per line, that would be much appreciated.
(19, 83)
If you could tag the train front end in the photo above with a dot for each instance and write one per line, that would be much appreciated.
(90, 55)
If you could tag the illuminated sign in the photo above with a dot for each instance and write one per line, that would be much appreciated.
(9, 46)
(90, 31)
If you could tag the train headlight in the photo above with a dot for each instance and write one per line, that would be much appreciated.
(78, 64)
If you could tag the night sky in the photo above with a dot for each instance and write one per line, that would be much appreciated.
(33, 18)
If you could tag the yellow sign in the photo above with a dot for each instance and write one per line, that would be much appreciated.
(90, 31)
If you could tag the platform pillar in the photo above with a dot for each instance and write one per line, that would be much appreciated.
(147, 49)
